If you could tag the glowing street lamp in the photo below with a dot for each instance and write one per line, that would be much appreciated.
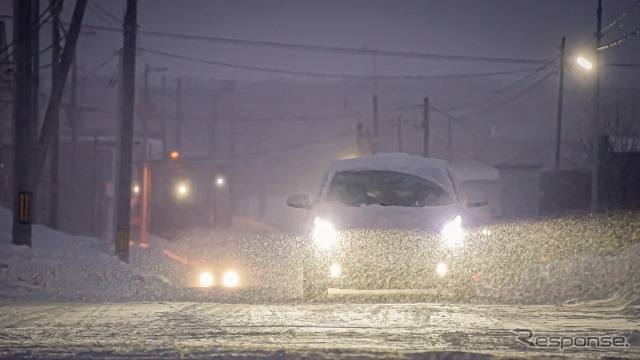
(584, 63)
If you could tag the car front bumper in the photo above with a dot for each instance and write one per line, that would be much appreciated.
(384, 261)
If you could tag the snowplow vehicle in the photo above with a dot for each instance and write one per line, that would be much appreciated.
(387, 222)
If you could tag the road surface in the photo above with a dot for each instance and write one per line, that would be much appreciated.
(179, 329)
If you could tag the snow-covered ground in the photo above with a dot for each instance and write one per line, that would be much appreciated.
(74, 268)
(319, 331)
(61, 267)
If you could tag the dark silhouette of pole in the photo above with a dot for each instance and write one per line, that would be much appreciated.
(22, 121)
(376, 138)
(560, 106)
(53, 107)
(399, 134)
(54, 157)
(425, 128)
(596, 128)
(35, 89)
(125, 133)
(449, 139)
(179, 114)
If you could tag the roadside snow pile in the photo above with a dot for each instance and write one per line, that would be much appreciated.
(575, 280)
(61, 267)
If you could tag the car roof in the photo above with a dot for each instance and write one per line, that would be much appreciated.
(400, 162)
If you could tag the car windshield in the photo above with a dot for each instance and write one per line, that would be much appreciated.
(386, 188)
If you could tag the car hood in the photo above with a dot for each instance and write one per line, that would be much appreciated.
(428, 218)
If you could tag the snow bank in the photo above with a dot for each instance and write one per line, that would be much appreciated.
(72, 268)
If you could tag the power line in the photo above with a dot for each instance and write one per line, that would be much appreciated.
(622, 16)
(620, 40)
(327, 75)
(95, 6)
(297, 146)
(515, 96)
(503, 89)
(320, 48)
(101, 65)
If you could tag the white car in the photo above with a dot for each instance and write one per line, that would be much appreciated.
(387, 221)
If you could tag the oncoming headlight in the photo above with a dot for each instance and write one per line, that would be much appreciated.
(206, 279)
(324, 234)
(452, 233)
(182, 189)
(230, 279)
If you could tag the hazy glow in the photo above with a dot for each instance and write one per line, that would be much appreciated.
(206, 279)
(335, 270)
(324, 234)
(441, 269)
(230, 279)
(582, 61)
(453, 233)
(182, 189)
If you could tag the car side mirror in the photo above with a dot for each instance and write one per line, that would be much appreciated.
(472, 205)
(299, 201)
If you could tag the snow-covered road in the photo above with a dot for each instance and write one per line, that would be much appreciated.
(178, 329)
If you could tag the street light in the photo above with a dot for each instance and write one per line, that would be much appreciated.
(584, 63)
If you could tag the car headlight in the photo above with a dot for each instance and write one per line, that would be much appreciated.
(206, 279)
(324, 234)
(182, 189)
(230, 279)
(452, 233)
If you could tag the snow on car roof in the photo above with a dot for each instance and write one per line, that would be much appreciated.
(399, 162)
(410, 164)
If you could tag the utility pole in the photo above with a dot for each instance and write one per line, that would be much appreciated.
(179, 114)
(56, 9)
(125, 132)
(72, 113)
(560, 105)
(6, 92)
(165, 147)
(359, 139)
(144, 221)
(35, 89)
(375, 124)
(449, 140)
(425, 128)
(399, 133)
(596, 128)
(376, 138)
(212, 199)
(22, 121)
(44, 140)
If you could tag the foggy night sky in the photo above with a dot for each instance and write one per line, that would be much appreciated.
(523, 29)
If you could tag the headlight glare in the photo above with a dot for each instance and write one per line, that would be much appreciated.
(324, 234)
(206, 279)
(230, 279)
(452, 233)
